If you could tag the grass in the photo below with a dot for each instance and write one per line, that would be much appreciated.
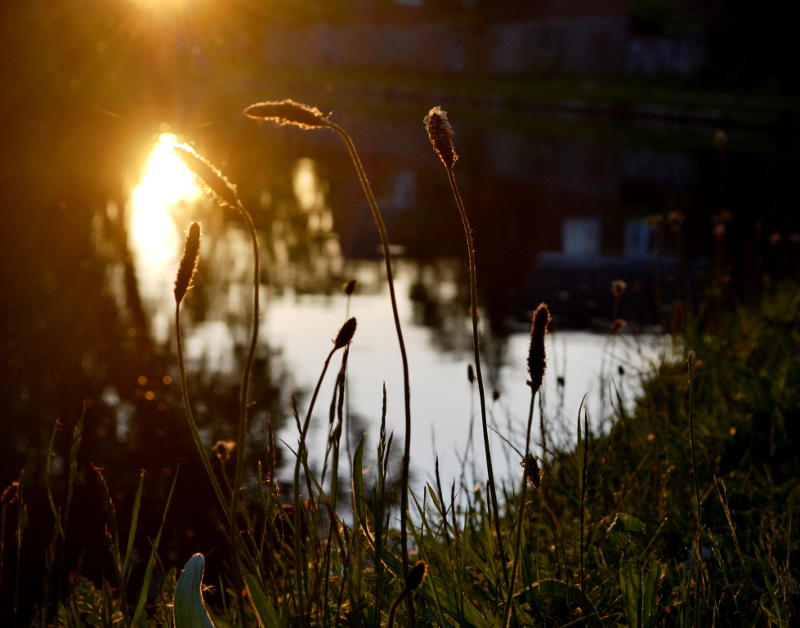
(681, 513)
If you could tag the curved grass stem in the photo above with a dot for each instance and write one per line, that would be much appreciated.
(520, 519)
(301, 459)
(192, 422)
(473, 302)
(241, 435)
(384, 239)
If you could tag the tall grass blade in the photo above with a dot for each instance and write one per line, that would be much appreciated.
(307, 117)
(138, 614)
(359, 500)
(265, 613)
(441, 134)
(225, 193)
(47, 480)
(137, 504)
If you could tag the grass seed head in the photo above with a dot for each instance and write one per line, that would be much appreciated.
(416, 575)
(470, 374)
(537, 358)
(223, 449)
(216, 184)
(349, 287)
(10, 494)
(440, 133)
(189, 261)
(345, 334)
(287, 111)
(531, 471)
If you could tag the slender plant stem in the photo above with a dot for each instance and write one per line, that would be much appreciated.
(393, 610)
(346, 393)
(380, 508)
(584, 480)
(312, 403)
(242, 423)
(697, 558)
(384, 238)
(241, 436)
(301, 459)
(690, 364)
(21, 524)
(192, 422)
(543, 430)
(473, 301)
(520, 517)
(335, 437)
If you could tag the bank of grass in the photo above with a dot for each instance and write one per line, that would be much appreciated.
(642, 556)
(735, 565)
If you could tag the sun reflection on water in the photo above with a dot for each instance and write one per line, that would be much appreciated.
(306, 185)
(166, 183)
(159, 213)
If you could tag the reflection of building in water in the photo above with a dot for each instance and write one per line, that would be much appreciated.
(580, 195)
(576, 280)
(582, 200)
(637, 243)
(581, 237)
(306, 254)
(441, 304)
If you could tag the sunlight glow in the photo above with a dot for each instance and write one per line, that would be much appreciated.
(166, 182)
(161, 4)
(306, 184)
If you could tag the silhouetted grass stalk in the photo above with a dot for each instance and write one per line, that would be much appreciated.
(414, 579)
(537, 362)
(519, 523)
(443, 146)
(288, 112)
(183, 282)
(583, 444)
(381, 520)
(348, 289)
(334, 439)
(192, 422)
(690, 365)
(241, 436)
(343, 339)
(697, 558)
(60, 516)
(384, 238)
(225, 194)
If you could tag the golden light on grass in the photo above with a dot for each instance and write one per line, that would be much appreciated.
(165, 183)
